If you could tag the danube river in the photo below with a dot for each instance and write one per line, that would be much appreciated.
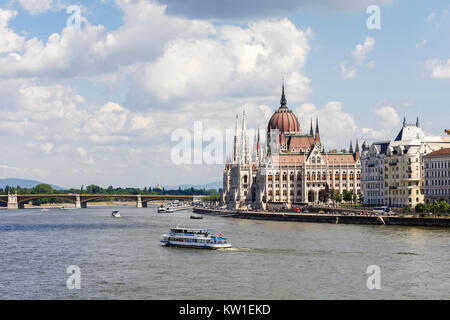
(123, 259)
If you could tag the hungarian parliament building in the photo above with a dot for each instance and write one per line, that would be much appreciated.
(290, 167)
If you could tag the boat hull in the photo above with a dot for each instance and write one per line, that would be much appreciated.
(196, 246)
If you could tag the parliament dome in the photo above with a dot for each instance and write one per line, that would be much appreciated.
(283, 119)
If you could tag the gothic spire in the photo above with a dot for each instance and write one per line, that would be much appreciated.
(351, 147)
(283, 100)
(417, 123)
(311, 132)
(357, 145)
(244, 142)
(317, 125)
(317, 137)
(236, 142)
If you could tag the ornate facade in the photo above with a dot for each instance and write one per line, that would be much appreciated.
(290, 167)
(399, 166)
(437, 176)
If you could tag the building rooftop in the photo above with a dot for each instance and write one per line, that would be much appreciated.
(441, 152)
(410, 132)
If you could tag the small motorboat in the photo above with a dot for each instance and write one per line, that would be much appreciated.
(169, 209)
(44, 209)
(196, 217)
(115, 214)
(162, 209)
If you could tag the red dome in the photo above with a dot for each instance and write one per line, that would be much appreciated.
(284, 120)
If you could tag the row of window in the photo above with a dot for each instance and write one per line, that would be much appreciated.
(439, 182)
(437, 165)
(437, 192)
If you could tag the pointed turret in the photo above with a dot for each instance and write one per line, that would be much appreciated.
(417, 123)
(317, 137)
(404, 122)
(351, 147)
(311, 131)
(357, 155)
(245, 157)
(236, 142)
(283, 100)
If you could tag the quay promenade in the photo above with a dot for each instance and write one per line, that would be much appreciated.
(329, 218)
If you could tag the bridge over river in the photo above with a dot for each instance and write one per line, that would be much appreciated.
(18, 201)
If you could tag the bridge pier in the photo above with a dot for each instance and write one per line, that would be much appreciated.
(139, 201)
(77, 202)
(12, 201)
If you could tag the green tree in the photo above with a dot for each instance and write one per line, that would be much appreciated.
(420, 208)
(443, 207)
(355, 198)
(93, 189)
(42, 189)
(407, 208)
(347, 195)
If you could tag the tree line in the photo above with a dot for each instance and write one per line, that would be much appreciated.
(94, 189)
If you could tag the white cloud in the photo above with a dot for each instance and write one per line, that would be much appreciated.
(342, 130)
(36, 6)
(439, 69)
(178, 71)
(371, 64)
(247, 61)
(431, 16)
(421, 43)
(359, 55)
(13, 171)
(387, 116)
(169, 58)
(348, 73)
(83, 156)
(46, 147)
(361, 50)
(9, 40)
(338, 127)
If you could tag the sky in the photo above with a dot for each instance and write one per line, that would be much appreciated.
(99, 102)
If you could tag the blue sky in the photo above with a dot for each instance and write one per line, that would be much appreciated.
(99, 104)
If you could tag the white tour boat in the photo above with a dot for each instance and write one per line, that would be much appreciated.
(161, 209)
(194, 238)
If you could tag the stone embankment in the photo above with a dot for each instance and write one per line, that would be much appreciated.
(328, 218)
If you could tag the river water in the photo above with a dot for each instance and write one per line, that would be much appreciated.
(123, 259)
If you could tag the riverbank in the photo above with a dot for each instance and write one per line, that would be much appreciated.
(329, 218)
(90, 204)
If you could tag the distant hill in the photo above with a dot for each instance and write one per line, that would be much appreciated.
(23, 183)
(212, 185)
